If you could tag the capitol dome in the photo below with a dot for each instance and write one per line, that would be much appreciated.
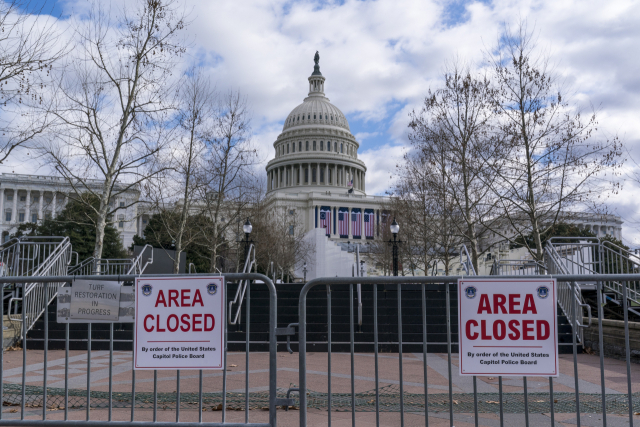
(316, 110)
(316, 150)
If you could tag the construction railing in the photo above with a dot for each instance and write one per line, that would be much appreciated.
(114, 266)
(33, 257)
(590, 255)
(516, 267)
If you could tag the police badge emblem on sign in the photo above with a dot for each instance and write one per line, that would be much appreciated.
(212, 288)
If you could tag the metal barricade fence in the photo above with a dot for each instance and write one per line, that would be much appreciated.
(473, 402)
(27, 397)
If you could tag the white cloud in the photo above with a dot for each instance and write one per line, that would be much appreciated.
(380, 54)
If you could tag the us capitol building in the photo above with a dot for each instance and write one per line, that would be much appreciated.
(316, 175)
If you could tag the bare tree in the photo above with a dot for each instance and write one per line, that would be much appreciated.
(453, 134)
(230, 185)
(29, 47)
(280, 238)
(553, 155)
(423, 202)
(174, 193)
(113, 100)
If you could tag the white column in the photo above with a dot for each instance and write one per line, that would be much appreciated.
(28, 209)
(66, 198)
(1, 205)
(363, 182)
(140, 226)
(53, 204)
(41, 206)
(14, 214)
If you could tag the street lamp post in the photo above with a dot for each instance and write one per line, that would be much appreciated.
(304, 271)
(395, 228)
(247, 228)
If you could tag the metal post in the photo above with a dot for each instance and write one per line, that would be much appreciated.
(395, 255)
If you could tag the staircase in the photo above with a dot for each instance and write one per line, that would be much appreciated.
(288, 297)
(592, 256)
(30, 256)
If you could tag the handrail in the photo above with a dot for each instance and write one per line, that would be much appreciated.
(138, 261)
(242, 287)
(359, 286)
(467, 265)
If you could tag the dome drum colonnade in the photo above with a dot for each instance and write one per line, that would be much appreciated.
(316, 148)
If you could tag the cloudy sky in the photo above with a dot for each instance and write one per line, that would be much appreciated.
(380, 58)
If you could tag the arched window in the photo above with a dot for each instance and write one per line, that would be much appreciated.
(314, 146)
(314, 117)
(306, 175)
(299, 145)
(287, 148)
(307, 145)
(342, 148)
(322, 175)
(321, 145)
(309, 116)
(331, 117)
(313, 175)
(293, 147)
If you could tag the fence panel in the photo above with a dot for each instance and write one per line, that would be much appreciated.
(56, 392)
(427, 385)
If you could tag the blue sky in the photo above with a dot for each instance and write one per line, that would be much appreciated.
(381, 57)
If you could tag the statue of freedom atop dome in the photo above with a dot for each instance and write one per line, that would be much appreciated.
(316, 68)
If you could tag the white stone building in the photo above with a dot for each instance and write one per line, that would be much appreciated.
(33, 198)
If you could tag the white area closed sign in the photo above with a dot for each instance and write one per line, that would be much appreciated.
(508, 327)
(179, 323)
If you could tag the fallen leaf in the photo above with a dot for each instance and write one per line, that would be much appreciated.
(13, 410)
(233, 366)
(493, 401)
(455, 402)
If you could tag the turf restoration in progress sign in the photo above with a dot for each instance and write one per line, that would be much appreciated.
(179, 323)
(508, 327)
